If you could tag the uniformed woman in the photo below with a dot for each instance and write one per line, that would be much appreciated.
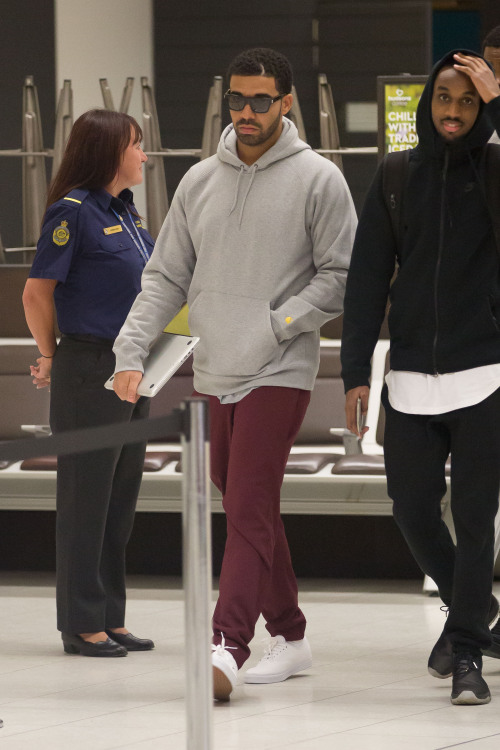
(89, 261)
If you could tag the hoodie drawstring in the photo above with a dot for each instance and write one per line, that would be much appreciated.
(235, 201)
(253, 171)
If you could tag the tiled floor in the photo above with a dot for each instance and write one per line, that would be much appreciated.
(368, 689)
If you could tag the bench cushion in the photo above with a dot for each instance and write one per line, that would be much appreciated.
(153, 461)
(156, 460)
(366, 464)
(359, 464)
(40, 463)
(308, 463)
(298, 463)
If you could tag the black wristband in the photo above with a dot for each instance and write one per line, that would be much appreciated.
(45, 356)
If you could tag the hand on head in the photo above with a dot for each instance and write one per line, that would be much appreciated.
(480, 74)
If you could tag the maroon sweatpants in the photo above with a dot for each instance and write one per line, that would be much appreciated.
(249, 445)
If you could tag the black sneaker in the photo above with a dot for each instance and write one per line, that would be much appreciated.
(440, 662)
(469, 688)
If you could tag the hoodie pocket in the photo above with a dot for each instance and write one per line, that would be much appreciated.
(236, 336)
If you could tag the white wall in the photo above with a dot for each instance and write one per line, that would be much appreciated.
(110, 39)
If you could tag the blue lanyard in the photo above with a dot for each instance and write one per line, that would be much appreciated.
(138, 241)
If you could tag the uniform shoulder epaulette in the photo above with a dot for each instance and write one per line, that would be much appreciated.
(76, 196)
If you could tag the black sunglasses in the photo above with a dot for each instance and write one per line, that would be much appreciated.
(258, 104)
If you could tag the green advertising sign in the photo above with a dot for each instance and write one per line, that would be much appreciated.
(398, 97)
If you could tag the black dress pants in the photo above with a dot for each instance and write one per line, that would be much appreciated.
(416, 448)
(96, 491)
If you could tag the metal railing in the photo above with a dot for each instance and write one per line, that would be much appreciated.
(33, 153)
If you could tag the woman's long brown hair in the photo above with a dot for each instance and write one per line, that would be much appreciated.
(95, 147)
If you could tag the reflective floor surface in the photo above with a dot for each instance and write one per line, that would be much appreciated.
(368, 689)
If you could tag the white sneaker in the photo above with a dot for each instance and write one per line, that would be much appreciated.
(281, 660)
(225, 671)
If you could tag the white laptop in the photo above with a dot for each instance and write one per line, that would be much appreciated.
(167, 354)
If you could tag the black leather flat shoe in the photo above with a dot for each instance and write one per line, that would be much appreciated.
(130, 642)
(75, 644)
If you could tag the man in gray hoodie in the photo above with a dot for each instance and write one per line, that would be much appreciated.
(258, 242)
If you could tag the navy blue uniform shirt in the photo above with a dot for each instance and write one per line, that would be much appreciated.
(98, 266)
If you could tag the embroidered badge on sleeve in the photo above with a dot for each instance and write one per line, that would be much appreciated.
(60, 235)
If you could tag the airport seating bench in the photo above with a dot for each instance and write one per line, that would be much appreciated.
(320, 478)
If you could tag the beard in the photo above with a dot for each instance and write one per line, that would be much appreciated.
(258, 138)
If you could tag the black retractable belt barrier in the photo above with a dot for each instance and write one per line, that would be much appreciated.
(94, 438)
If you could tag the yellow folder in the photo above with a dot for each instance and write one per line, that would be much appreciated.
(180, 323)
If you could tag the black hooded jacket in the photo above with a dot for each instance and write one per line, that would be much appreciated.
(445, 301)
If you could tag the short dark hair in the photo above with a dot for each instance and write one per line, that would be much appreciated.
(262, 61)
(492, 38)
(95, 147)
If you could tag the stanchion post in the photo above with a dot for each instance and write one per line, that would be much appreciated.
(197, 574)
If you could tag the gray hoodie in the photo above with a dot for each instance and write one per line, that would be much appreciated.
(260, 253)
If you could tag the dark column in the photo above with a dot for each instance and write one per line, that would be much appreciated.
(28, 48)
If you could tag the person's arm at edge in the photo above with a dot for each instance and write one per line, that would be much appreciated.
(368, 283)
(38, 302)
(333, 224)
(165, 284)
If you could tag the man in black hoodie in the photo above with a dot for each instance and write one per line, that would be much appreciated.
(442, 394)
